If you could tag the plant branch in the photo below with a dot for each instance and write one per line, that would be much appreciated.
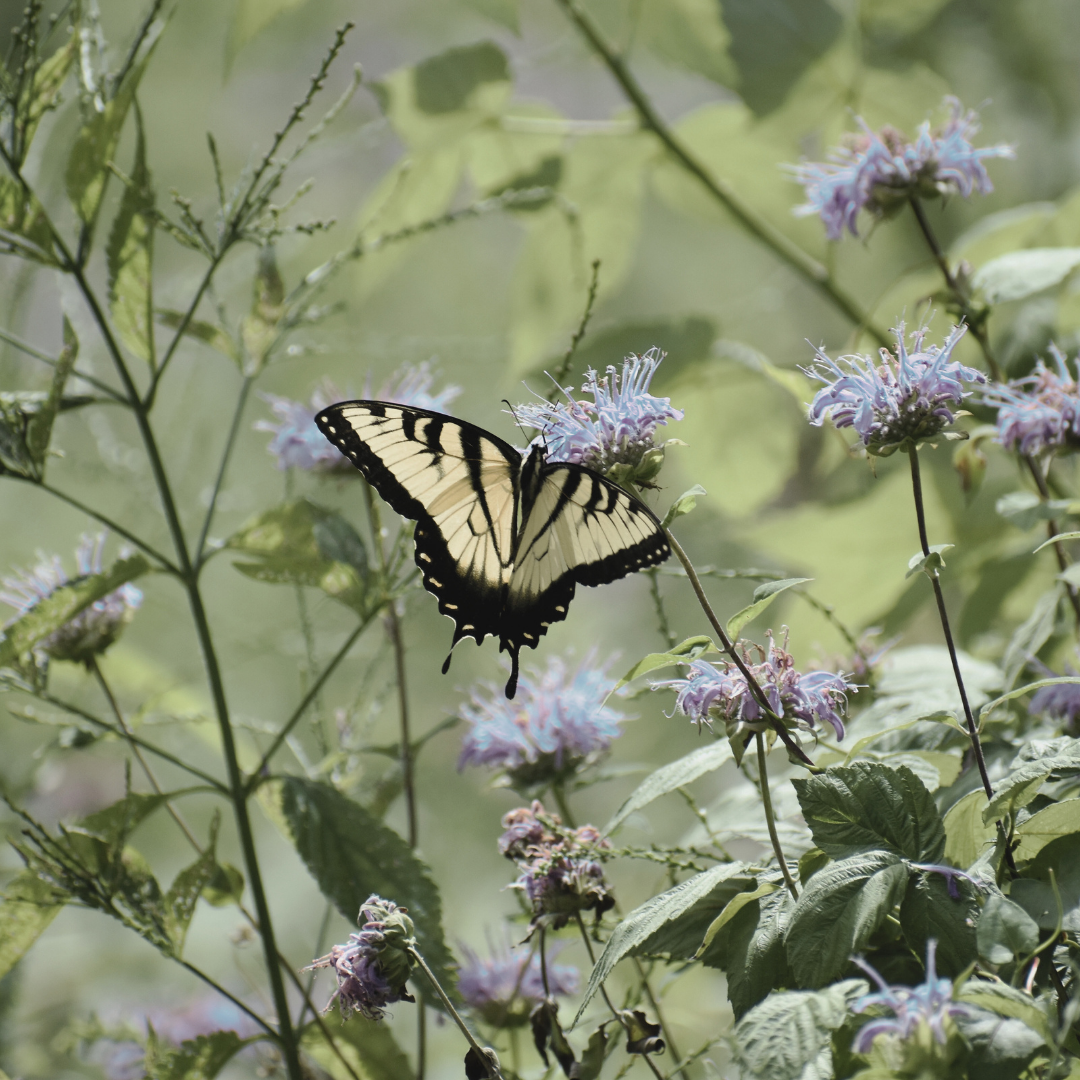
(1051, 531)
(770, 816)
(231, 997)
(563, 369)
(45, 358)
(807, 267)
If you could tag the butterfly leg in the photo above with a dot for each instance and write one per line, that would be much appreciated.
(511, 683)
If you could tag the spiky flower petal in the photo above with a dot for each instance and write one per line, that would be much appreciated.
(908, 396)
(880, 171)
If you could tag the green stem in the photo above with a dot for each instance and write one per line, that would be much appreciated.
(770, 816)
(563, 369)
(658, 604)
(1051, 531)
(758, 227)
(231, 997)
(37, 354)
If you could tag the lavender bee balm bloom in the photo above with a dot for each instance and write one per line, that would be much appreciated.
(504, 989)
(1041, 412)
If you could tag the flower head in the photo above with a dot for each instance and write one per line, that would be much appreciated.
(504, 989)
(929, 1003)
(562, 869)
(881, 170)
(712, 692)
(373, 967)
(556, 721)
(614, 431)
(96, 627)
(1040, 412)
(907, 397)
(298, 443)
(1061, 702)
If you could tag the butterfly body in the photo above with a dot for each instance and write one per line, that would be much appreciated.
(502, 539)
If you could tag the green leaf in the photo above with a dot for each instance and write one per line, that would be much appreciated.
(63, 604)
(369, 1047)
(1004, 1000)
(686, 503)
(95, 146)
(187, 887)
(301, 543)
(351, 854)
(1032, 634)
(40, 425)
(130, 255)
(250, 18)
(446, 83)
(683, 653)
(1057, 539)
(1022, 785)
(504, 12)
(781, 1037)
(201, 1058)
(260, 327)
(764, 595)
(1025, 509)
(205, 332)
(48, 81)
(1047, 825)
(225, 887)
(115, 823)
(658, 923)
(1023, 273)
(988, 708)
(966, 834)
(689, 34)
(774, 41)
(28, 906)
(669, 777)
(24, 223)
(869, 805)
(840, 908)
(928, 911)
(930, 564)
(1034, 893)
(898, 18)
(1006, 932)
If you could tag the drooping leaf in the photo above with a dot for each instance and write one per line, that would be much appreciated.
(841, 906)
(201, 1058)
(764, 595)
(63, 604)
(683, 653)
(1023, 273)
(782, 1036)
(130, 256)
(205, 332)
(869, 805)
(660, 923)
(929, 911)
(999, 1047)
(1059, 820)
(686, 503)
(1006, 932)
(670, 777)
(29, 905)
(352, 854)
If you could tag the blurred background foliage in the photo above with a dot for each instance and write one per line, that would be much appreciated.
(463, 100)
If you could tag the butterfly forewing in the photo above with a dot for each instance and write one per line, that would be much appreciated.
(458, 482)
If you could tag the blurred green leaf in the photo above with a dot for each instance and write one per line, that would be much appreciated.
(352, 854)
(669, 777)
(1047, 825)
(40, 424)
(686, 503)
(774, 41)
(504, 12)
(1005, 231)
(205, 332)
(898, 18)
(929, 911)
(838, 911)
(999, 997)
(115, 823)
(764, 595)
(1006, 932)
(928, 564)
(250, 18)
(651, 927)
(225, 887)
(201, 1058)
(63, 604)
(851, 808)
(24, 225)
(1034, 893)
(689, 34)
(683, 653)
(1031, 635)
(1023, 273)
(260, 327)
(1057, 538)
(368, 1045)
(446, 83)
(187, 887)
(1025, 509)
(48, 81)
(130, 254)
(29, 905)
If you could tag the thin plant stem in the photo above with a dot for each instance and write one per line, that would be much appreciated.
(320, 943)
(1051, 531)
(975, 324)
(973, 731)
(421, 1037)
(199, 974)
(493, 1070)
(807, 267)
(662, 623)
(559, 794)
(37, 354)
(607, 998)
(393, 629)
(730, 649)
(647, 989)
(313, 692)
(770, 816)
(563, 369)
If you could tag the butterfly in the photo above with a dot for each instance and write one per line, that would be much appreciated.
(502, 538)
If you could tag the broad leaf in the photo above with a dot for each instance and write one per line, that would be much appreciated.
(670, 777)
(28, 906)
(686, 503)
(24, 223)
(764, 595)
(777, 1039)
(966, 834)
(352, 854)
(1000, 1048)
(690, 34)
(130, 255)
(187, 887)
(1061, 819)
(683, 653)
(1006, 932)
(369, 1047)
(1025, 509)
(928, 911)
(660, 923)
(1021, 786)
(1004, 1000)
(63, 604)
(201, 1058)
(841, 906)
(1024, 273)
(869, 805)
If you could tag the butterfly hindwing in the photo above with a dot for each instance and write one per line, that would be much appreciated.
(458, 482)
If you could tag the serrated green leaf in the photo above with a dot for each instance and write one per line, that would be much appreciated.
(1047, 825)
(966, 834)
(764, 595)
(201, 1058)
(1023, 273)
(686, 651)
(24, 223)
(205, 332)
(835, 915)
(130, 254)
(929, 912)
(63, 604)
(48, 80)
(369, 1047)
(1005, 931)
(28, 907)
(188, 885)
(649, 927)
(869, 805)
(777, 1039)
(686, 503)
(40, 425)
(351, 854)
(669, 777)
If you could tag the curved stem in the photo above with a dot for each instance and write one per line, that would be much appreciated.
(1051, 531)
(975, 321)
(770, 816)
(730, 649)
(805, 265)
(231, 997)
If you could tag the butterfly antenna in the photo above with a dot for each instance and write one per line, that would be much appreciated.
(513, 413)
